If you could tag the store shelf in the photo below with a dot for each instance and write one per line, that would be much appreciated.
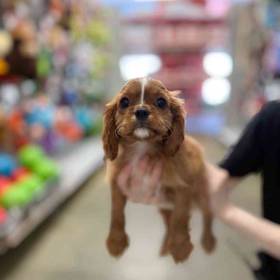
(76, 167)
(171, 20)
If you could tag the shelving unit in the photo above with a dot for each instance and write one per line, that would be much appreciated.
(181, 42)
(76, 167)
(60, 103)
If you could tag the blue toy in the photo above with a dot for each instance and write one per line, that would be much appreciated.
(84, 119)
(7, 164)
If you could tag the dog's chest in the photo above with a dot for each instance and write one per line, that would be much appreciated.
(169, 176)
(141, 148)
(136, 151)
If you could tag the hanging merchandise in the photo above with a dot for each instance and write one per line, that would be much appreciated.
(5, 42)
(272, 17)
(4, 67)
(180, 36)
(55, 63)
(44, 65)
(272, 57)
(25, 184)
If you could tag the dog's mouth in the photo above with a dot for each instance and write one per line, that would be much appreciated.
(143, 130)
(142, 133)
(139, 131)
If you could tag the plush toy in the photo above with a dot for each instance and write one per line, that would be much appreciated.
(19, 174)
(32, 184)
(15, 197)
(17, 126)
(4, 67)
(5, 42)
(47, 169)
(22, 57)
(5, 184)
(30, 156)
(3, 216)
(7, 139)
(7, 164)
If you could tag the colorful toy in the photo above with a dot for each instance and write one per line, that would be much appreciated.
(43, 65)
(18, 129)
(5, 42)
(32, 184)
(19, 174)
(43, 115)
(5, 184)
(7, 164)
(35, 159)
(16, 196)
(30, 156)
(4, 67)
(47, 169)
(3, 215)
(84, 119)
(97, 126)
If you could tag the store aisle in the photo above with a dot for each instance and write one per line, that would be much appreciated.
(71, 245)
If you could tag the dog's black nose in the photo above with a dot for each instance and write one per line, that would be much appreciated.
(142, 114)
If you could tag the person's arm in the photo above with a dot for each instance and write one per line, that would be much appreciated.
(246, 157)
(264, 232)
(141, 187)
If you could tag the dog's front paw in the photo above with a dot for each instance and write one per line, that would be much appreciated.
(180, 248)
(117, 242)
(208, 242)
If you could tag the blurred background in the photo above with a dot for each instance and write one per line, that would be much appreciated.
(60, 62)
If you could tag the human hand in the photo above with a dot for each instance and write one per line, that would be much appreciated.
(220, 185)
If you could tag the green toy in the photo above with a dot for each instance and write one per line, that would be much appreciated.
(16, 197)
(97, 126)
(30, 156)
(32, 184)
(46, 169)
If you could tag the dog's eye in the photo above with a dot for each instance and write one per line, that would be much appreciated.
(161, 102)
(124, 103)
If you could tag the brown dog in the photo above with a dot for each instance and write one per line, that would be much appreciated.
(145, 118)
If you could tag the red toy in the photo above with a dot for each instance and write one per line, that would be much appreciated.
(20, 173)
(3, 215)
(5, 183)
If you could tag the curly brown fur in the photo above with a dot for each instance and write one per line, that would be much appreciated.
(162, 138)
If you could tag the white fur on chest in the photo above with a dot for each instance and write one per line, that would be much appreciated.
(140, 149)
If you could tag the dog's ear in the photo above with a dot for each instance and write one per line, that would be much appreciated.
(109, 135)
(176, 135)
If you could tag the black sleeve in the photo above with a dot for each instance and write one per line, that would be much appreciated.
(247, 155)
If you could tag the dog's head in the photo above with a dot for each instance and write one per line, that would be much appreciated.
(144, 110)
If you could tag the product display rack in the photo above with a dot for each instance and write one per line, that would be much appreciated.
(255, 78)
(181, 41)
(76, 167)
(56, 106)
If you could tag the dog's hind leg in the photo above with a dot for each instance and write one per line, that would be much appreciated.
(208, 240)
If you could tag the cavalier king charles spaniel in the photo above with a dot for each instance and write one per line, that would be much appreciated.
(147, 119)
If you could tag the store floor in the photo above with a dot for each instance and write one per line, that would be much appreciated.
(70, 245)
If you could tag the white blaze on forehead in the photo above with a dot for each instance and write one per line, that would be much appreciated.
(143, 82)
(142, 133)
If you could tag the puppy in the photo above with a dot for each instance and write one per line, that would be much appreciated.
(146, 118)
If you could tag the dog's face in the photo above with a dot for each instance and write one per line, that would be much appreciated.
(144, 110)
